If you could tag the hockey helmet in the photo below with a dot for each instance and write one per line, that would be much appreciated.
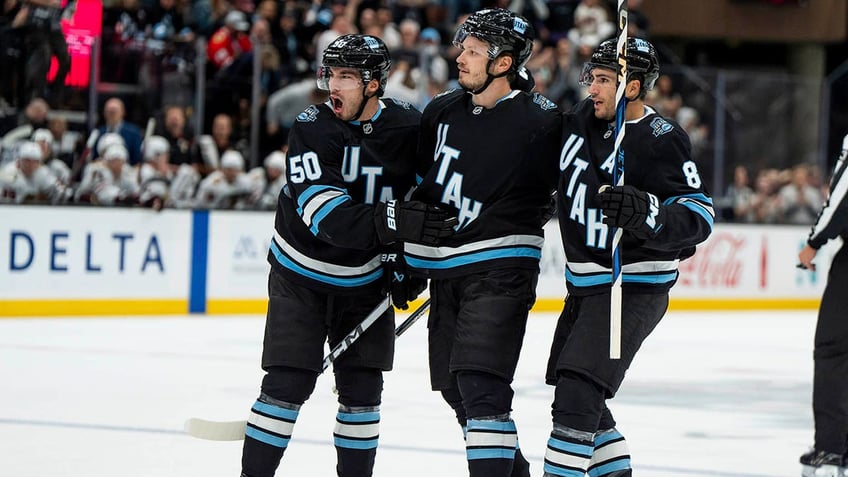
(155, 146)
(366, 53)
(503, 30)
(641, 60)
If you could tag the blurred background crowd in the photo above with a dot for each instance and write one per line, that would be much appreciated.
(190, 101)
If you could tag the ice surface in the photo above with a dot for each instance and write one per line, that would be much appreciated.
(710, 394)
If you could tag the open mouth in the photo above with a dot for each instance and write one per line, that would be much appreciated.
(337, 104)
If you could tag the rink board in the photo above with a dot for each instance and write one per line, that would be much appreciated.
(73, 261)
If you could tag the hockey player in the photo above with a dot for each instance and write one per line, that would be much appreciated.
(663, 211)
(29, 181)
(493, 152)
(227, 188)
(346, 158)
(830, 354)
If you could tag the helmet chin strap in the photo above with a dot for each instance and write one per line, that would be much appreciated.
(489, 78)
(362, 104)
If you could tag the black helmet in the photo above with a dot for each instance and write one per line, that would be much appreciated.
(641, 60)
(503, 30)
(366, 53)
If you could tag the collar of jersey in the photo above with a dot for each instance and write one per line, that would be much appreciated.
(509, 95)
(373, 118)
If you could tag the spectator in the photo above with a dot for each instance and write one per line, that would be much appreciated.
(28, 181)
(229, 42)
(35, 117)
(43, 40)
(292, 46)
(181, 139)
(111, 181)
(268, 181)
(764, 209)
(44, 139)
(591, 26)
(155, 174)
(210, 148)
(227, 188)
(66, 143)
(11, 54)
(738, 202)
(799, 202)
(113, 116)
(286, 103)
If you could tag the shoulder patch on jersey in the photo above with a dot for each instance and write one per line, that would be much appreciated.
(403, 104)
(543, 102)
(308, 115)
(660, 126)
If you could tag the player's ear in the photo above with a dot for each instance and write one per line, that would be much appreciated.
(503, 63)
(633, 88)
(373, 86)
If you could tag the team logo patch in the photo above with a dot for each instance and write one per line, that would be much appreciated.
(367, 128)
(308, 115)
(543, 102)
(519, 25)
(660, 126)
(401, 103)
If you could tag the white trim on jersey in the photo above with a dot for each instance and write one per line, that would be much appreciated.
(325, 267)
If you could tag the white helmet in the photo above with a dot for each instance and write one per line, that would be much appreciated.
(107, 140)
(29, 150)
(116, 151)
(154, 146)
(276, 160)
(232, 160)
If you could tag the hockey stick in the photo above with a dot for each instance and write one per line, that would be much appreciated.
(618, 180)
(234, 430)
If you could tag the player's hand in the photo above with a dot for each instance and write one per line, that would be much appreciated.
(412, 221)
(641, 213)
(399, 282)
(805, 258)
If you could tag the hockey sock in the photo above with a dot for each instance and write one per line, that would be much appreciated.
(356, 434)
(490, 446)
(568, 452)
(520, 466)
(611, 457)
(269, 429)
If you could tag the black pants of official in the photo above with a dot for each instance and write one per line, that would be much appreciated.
(830, 378)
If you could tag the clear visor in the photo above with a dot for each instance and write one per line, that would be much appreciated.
(338, 79)
(587, 76)
(459, 42)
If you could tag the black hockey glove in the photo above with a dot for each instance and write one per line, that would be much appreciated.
(399, 282)
(412, 221)
(523, 81)
(636, 211)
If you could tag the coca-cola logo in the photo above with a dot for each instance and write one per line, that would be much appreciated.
(716, 264)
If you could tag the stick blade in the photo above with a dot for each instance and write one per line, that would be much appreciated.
(215, 430)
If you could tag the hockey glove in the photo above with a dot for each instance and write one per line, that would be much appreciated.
(636, 211)
(412, 221)
(399, 282)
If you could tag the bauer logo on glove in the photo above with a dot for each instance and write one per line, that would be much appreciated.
(631, 209)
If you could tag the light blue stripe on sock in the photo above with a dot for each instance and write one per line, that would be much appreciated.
(490, 453)
(269, 439)
(354, 444)
(609, 468)
(571, 448)
(276, 411)
(554, 470)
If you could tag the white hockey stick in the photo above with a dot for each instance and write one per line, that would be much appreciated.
(618, 179)
(234, 430)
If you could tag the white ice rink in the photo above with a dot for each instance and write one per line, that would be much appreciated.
(716, 394)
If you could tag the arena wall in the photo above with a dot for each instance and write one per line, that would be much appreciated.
(81, 261)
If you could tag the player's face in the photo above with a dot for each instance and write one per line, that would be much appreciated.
(345, 86)
(602, 92)
(472, 63)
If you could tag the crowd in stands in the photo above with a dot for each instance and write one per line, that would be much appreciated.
(165, 162)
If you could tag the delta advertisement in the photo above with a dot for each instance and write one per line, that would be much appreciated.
(87, 261)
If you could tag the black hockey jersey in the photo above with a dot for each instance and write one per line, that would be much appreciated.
(832, 221)
(496, 169)
(336, 171)
(657, 160)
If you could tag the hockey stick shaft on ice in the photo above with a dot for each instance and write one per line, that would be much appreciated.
(618, 180)
(234, 430)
